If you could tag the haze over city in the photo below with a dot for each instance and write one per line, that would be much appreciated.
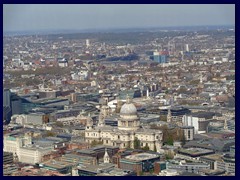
(119, 90)
(32, 17)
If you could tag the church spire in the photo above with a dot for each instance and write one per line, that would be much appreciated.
(225, 127)
(106, 158)
(169, 116)
(128, 99)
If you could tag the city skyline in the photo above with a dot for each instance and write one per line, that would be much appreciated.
(32, 17)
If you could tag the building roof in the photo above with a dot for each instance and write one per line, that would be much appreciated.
(195, 151)
(142, 156)
(203, 114)
(128, 109)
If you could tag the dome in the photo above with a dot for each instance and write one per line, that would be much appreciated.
(128, 109)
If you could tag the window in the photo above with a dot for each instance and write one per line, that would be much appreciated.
(189, 134)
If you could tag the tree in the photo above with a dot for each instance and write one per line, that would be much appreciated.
(183, 140)
(95, 143)
(59, 124)
(49, 133)
(169, 155)
(163, 117)
(151, 171)
(128, 145)
(145, 148)
(136, 143)
(169, 140)
(155, 148)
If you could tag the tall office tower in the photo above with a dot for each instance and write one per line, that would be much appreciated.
(7, 111)
(87, 42)
(186, 47)
(6, 97)
(160, 57)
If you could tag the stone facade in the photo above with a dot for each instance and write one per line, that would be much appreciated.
(127, 131)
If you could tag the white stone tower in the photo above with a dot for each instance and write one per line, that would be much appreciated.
(106, 158)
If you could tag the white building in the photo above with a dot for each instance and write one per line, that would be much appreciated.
(13, 143)
(127, 131)
(199, 121)
(75, 120)
(32, 154)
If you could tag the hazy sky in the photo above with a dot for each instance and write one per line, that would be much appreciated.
(23, 17)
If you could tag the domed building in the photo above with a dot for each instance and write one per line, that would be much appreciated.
(129, 119)
(127, 131)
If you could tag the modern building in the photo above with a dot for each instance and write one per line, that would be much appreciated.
(188, 132)
(160, 57)
(11, 105)
(6, 97)
(7, 158)
(159, 166)
(9, 169)
(142, 162)
(57, 103)
(31, 118)
(199, 120)
(177, 112)
(190, 167)
(221, 162)
(192, 153)
(93, 170)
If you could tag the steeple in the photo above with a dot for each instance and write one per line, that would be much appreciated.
(89, 123)
(128, 100)
(106, 158)
(102, 115)
(201, 78)
(225, 127)
(169, 116)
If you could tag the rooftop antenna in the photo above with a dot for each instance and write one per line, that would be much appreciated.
(128, 99)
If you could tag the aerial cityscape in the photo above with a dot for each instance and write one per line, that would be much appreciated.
(124, 90)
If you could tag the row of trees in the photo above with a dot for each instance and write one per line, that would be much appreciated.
(170, 134)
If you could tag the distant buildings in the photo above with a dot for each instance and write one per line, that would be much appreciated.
(160, 57)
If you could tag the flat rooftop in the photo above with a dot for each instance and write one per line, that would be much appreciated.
(57, 164)
(195, 151)
(141, 156)
(216, 157)
(96, 168)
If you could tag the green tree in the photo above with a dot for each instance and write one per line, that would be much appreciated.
(49, 133)
(59, 124)
(155, 148)
(169, 140)
(95, 143)
(151, 171)
(128, 145)
(145, 148)
(183, 140)
(136, 143)
(163, 117)
(169, 155)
